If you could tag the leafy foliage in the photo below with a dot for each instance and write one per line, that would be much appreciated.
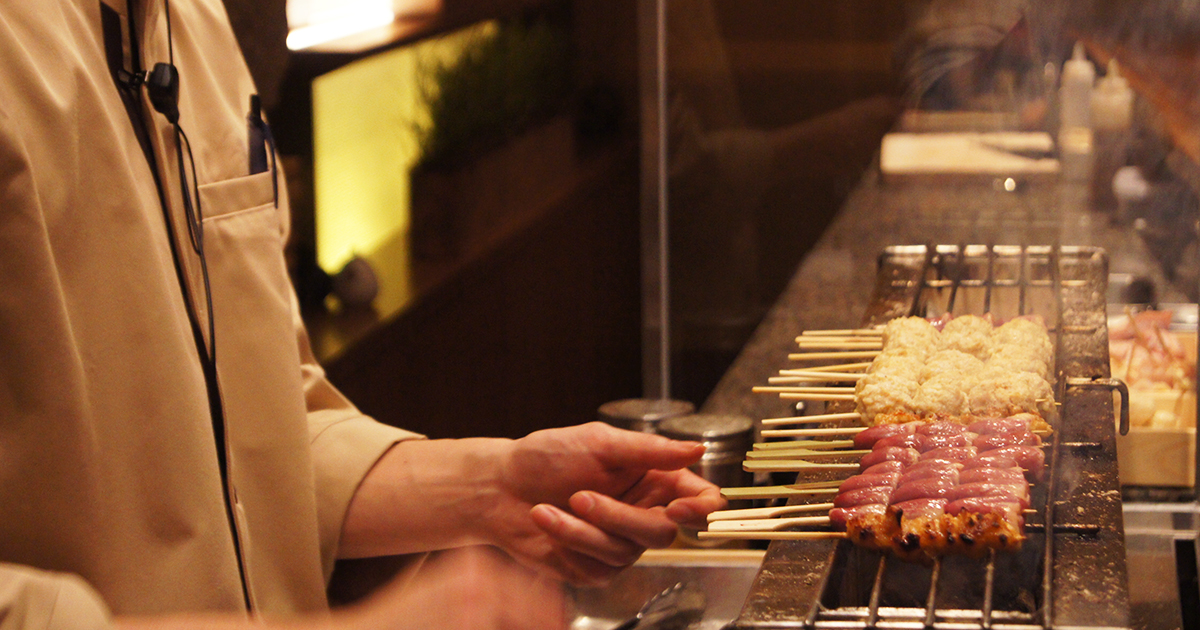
(503, 82)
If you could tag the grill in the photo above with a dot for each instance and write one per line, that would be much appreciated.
(1071, 571)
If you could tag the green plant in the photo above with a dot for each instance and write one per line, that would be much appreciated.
(503, 82)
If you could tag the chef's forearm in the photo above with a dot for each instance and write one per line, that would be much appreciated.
(424, 495)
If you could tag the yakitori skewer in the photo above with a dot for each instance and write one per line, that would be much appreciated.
(764, 513)
(814, 419)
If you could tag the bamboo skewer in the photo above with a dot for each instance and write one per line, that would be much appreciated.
(766, 524)
(810, 396)
(793, 465)
(822, 431)
(845, 332)
(801, 453)
(844, 354)
(809, 376)
(815, 419)
(833, 343)
(777, 492)
(767, 512)
(837, 367)
(767, 389)
(792, 445)
(771, 535)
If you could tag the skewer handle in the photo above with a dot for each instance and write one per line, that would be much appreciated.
(848, 354)
(768, 389)
(837, 343)
(839, 367)
(808, 396)
(814, 419)
(771, 535)
(767, 512)
(768, 449)
(844, 332)
(775, 492)
(812, 432)
(792, 465)
(767, 524)
(809, 376)
(803, 453)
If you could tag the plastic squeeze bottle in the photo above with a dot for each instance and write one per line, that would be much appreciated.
(1112, 121)
(1075, 114)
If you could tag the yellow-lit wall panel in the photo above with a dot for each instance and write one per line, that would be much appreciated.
(364, 145)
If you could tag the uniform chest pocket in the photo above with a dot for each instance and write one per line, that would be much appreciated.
(257, 354)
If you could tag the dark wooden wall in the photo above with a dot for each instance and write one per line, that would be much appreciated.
(537, 333)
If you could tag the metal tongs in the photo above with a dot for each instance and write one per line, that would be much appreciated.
(676, 608)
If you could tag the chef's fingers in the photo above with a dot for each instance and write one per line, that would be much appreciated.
(576, 534)
(693, 496)
(622, 449)
(693, 511)
(645, 527)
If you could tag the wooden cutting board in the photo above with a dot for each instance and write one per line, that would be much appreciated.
(967, 155)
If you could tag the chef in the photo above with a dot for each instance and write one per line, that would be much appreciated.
(171, 454)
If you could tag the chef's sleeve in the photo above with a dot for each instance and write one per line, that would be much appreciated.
(31, 599)
(345, 445)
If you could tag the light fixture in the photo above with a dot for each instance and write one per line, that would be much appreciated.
(335, 24)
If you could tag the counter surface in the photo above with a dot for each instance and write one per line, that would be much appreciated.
(832, 286)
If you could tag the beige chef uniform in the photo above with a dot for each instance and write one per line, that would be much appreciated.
(111, 491)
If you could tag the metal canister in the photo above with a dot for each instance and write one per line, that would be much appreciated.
(726, 439)
(642, 414)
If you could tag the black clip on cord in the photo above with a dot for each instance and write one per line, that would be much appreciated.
(162, 86)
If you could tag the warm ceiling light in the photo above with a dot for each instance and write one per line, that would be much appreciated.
(358, 21)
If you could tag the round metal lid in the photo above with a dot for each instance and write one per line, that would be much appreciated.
(707, 427)
(629, 411)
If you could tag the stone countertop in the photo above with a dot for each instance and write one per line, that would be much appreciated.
(833, 284)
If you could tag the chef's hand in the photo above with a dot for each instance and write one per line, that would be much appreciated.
(586, 501)
(466, 589)
(472, 588)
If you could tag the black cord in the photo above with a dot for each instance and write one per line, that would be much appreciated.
(195, 220)
(170, 39)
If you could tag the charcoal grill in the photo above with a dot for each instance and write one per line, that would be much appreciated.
(1071, 571)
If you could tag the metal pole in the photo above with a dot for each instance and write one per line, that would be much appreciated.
(652, 71)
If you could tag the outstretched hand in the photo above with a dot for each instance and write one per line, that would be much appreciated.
(586, 501)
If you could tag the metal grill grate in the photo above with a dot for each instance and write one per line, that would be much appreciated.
(1071, 571)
